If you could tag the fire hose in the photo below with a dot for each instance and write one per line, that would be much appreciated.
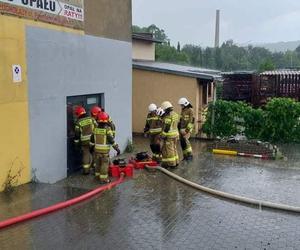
(59, 206)
(229, 196)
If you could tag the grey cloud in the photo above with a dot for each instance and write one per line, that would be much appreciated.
(193, 21)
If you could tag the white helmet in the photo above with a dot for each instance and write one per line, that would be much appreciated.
(183, 101)
(165, 105)
(152, 107)
(160, 112)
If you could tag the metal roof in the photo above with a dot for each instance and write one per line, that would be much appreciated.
(241, 72)
(176, 69)
(145, 37)
(281, 72)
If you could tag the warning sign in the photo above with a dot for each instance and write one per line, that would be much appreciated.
(17, 73)
(62, 12)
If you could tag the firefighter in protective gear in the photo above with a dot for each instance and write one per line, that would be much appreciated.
(84, 127)
(169, 136)
(110, 124)
(186, 125)
(94, 113)
(153, 128)
(101, 142)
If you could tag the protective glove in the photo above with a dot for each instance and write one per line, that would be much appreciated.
(116, 147)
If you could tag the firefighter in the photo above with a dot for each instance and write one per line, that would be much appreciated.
(101, 142)
(94, 114)
(84, 127)
(111, 124)
(169, 136)
(185, 127)
(153, 129)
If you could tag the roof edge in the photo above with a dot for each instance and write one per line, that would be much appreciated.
(175, 72)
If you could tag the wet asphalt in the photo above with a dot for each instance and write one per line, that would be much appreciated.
(152, 211)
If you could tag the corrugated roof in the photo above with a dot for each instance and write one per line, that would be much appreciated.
(281, 72)
(176, 69)
(145, 37)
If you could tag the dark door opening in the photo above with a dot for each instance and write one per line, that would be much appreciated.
(87, 101)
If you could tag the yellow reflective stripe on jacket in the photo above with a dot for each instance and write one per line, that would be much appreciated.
(170, 159)
(155, 130)
(102, 146)
(85, 137)
(154, 118)
(100, 131)
(171, 133)
(85, 122)
(186, 117)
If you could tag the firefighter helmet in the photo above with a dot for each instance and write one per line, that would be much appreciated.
(183, 101)
(103, 117)
(160, 112)
(152, 107)
(166, 105)
(80, 111)
(95, 111)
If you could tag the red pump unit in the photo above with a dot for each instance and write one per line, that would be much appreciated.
(120, 166)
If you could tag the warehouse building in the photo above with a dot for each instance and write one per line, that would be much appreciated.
(54, 57)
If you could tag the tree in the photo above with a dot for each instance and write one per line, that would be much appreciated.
(266, 65)
(178, 47)
(166, 53)
(158, 33)
(228, 57)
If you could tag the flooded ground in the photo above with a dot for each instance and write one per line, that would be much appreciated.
(152, 211)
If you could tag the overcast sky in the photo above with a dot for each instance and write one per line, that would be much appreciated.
(244, 21)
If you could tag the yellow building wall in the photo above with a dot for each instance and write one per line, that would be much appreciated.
(154, 87)
(14, 122)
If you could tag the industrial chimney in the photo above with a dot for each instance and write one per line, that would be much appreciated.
(217, 35)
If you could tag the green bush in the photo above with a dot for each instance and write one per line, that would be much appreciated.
(224, 124)
(278, 122)
(254, 122)
(282, 120)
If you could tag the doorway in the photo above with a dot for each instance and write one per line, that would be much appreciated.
(86, 101)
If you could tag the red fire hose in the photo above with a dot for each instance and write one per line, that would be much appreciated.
(59, 206)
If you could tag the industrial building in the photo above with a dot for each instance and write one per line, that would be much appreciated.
(53, 58)
(155, 82)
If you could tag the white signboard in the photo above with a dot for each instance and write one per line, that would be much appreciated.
(55, 7)
(17, 73)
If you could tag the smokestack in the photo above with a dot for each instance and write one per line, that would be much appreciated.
(217, 37)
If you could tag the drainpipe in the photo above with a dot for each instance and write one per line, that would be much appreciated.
(214, 102)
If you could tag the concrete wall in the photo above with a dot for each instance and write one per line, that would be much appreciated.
(143, 50)
(154, 87)
(60, 65)
(14, 125)
(107, 18)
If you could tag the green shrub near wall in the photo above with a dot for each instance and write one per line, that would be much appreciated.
(278, 122)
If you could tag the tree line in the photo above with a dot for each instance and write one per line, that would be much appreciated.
(228, 57)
